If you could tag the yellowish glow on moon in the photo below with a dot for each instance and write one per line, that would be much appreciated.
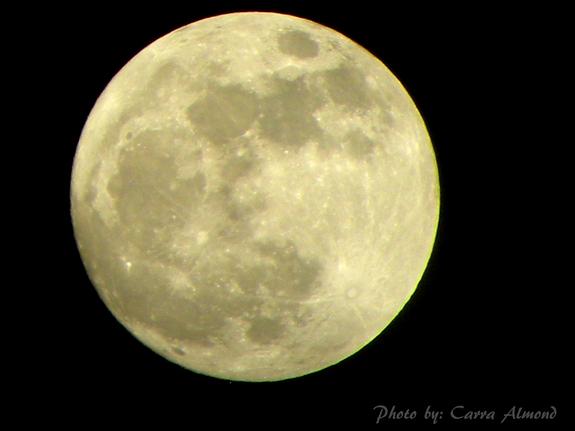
(255, 196)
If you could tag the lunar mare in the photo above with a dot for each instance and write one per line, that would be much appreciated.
(255, 196)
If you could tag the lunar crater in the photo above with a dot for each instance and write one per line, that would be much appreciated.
(298, 44)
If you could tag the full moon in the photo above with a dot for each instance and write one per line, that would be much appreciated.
(255, 196)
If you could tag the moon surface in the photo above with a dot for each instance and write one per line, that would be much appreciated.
(255, 196)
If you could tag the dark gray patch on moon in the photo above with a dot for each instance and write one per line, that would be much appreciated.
(169, 76)
(264, 330)
(178, 351)
(288, 274)
(240, 161)
(284, 273)
(223, 113)
(298, 43)
(240, 211)
(186, 321)
(147, 196)
(358, 145)
(287, 115)
(145, 296)
(347, 86)
(237, 213)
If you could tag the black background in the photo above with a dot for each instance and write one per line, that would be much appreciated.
(485, 329)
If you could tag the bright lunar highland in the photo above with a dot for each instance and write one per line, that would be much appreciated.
(255, 196)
